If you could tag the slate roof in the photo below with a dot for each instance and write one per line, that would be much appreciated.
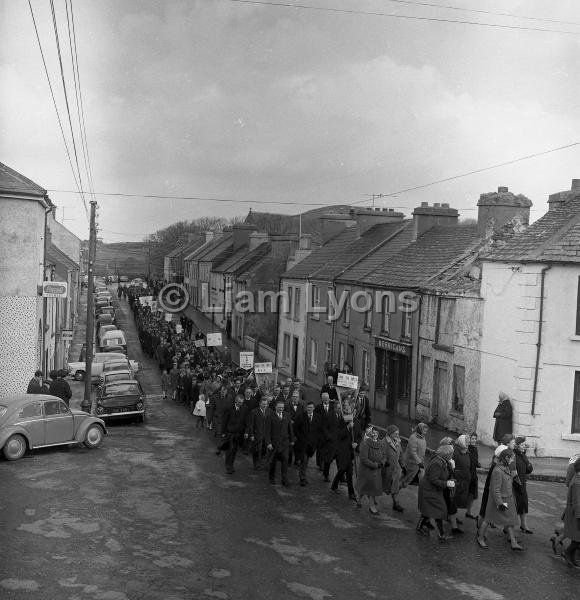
(322, 257)
(242, 259)
(13, 182)
(555, 237)
(430, 254)
(56, 255)
(394, 242)
(205, 251)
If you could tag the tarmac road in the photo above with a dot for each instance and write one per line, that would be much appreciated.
(152, 515)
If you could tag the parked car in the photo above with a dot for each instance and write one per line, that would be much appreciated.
(120, 399)
(99, 289)
(78, 369)
(101, 310)
(105, 328)
(112, 338)
(110, 376)
(116, 366)
(104, 320)
(30, 421)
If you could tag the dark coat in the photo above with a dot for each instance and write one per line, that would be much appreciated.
(279, 432)
(307, 434)
(500, 491)
(344, 440)
(331, 391)
(462, 476)
(328, 436)
(257, 422)
(61, 389)
(372, 457)
(524, 468)
(234, 421)
(393, 470)
(503, 420)
(473, 466)
(362, 412)
(35, 388)
(431, 500)
(572, 512)
(252, 403)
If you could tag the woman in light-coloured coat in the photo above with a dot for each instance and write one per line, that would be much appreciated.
(415, 455)
(501, 508)
(572, 517)
(393, 472)
(372, 459)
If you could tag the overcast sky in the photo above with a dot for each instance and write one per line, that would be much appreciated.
(221, 99)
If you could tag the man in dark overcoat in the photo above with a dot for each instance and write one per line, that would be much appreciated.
(328, 425)
(233, 430)
(59, 387)
(279, 438)
(35, 385)
(256, 431)
(307, 429)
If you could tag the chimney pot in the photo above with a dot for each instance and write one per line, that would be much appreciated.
(424, 203)
(436, 205)
(575, 184)
(502, 189)
(445, 205)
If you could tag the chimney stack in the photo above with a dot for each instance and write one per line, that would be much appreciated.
(333, 223)
(560, 198)
(368, 217)
(241, 235)
(257, 239)
(425, 217)
(495, 209)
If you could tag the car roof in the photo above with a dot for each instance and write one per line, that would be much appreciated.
(113, 333)
(110, 356)
(16, 399)
(121, 382)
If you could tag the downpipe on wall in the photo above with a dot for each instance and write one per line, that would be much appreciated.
(540, 331)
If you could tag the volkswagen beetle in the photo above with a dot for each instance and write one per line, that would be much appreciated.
(30, 421)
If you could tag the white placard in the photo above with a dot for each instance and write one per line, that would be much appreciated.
(178, 328)
(54, 289)
(66, 335)
(168, 317)
(265, 367)
(154, 306)
(246, 360)
(347, 380)
(214, 339)
(199, 343)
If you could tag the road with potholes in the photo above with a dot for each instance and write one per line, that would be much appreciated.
(152, 515)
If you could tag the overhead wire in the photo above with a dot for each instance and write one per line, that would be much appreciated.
(400, 16)
(55, 26)
(56, 105)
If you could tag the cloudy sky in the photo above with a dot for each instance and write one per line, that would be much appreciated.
(230, 100)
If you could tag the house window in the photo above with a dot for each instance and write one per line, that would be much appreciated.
(346, 313)
(313, 355)
(458, 399)
(578, 309)
(445, 318)
(576, 405)
(425, 381)
(327, 353)
(341, 355)
(407, 324)
(365, 366)
(369, 314)
(315, 301)
(297, 304)
(286, 349)
(386, 324)
(290, 301)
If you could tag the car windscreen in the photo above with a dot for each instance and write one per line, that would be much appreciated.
(122, 389)
(116, 376)
(115, 366)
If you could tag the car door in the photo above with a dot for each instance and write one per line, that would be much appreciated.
(31, 419)
(58, 420)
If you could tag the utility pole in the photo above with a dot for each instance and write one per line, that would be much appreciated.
(148, 260)
(90, 311)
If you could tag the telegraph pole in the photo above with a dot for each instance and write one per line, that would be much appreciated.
(90, 309)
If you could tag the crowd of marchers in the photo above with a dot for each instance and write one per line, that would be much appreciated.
(276, 427)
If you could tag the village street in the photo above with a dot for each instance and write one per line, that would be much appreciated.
(151, 514)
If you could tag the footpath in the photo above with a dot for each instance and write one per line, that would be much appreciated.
(545, 469)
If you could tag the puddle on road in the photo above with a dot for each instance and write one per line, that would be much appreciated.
(308, 591)
(163, 560)
(337, 521)
(93, 590)
(477, 592)
(293, 554)
(59, 524)
(220, 573)
(27, 585)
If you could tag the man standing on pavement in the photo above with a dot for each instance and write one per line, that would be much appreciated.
(257, 422)
(307, 434)
(233, 429)
(279, 438)
(59, 387)
(35, 385)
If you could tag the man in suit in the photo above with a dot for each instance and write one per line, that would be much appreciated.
(256, 431)
(362, 408)
(328, 426)
(284, 396)
(330, 389)
(59, 387)
(307, 426)
(35, 384)
(279, 438)
(233, 429)
(250, 399)
(294, 409)
(236, 389)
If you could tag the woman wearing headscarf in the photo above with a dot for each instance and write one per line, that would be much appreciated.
(461, 472)
(500, 508)
(523, 468)
(431, 500)
(415, 455)
(558, 538)
(503, 417)
(372, 459)
(393, 469)
(473, 481)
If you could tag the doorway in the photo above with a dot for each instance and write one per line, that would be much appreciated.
(440, 391)
(294, 356)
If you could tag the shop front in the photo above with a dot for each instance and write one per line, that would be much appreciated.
(393, 376)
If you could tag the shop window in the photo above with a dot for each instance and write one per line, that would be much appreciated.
(286, 349)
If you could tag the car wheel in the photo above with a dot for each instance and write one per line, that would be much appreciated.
(80, 376)
(94, 436)
(15, 447)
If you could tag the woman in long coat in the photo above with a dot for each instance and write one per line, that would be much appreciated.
(431, 500)
(473, 481)
(572, 517)
(523, 468)
(462, 477)
(393, 472)
(503, 417)
(500, 508)
(372, 459)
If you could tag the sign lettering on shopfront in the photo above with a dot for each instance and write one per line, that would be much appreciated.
(393, 346)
